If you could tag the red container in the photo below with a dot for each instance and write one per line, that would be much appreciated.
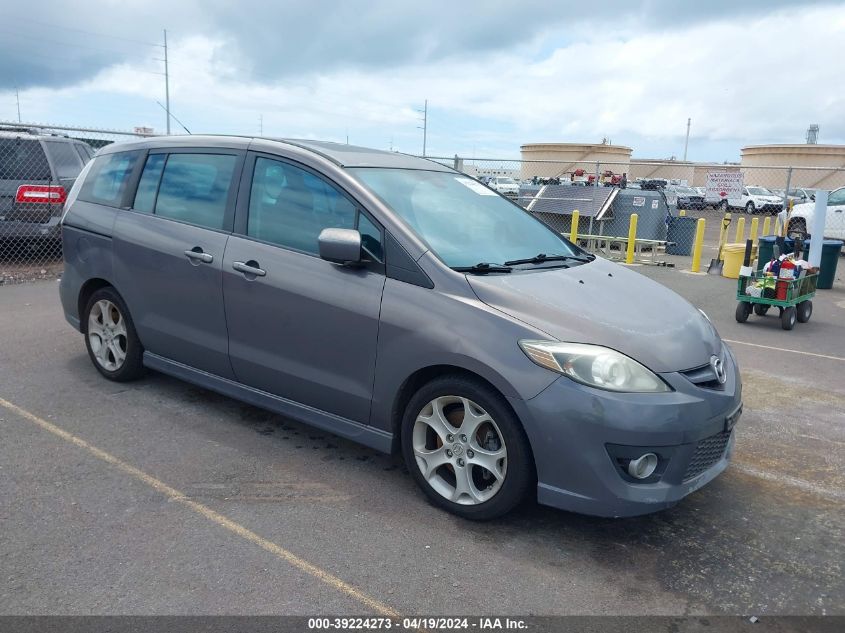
(780, 290)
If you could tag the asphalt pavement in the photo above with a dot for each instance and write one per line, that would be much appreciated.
(157, 497)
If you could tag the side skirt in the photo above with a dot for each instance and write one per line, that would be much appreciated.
(355, 431)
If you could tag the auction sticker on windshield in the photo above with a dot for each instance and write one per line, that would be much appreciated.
(477, 187)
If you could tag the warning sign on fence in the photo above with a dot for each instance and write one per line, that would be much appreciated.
(723, 185)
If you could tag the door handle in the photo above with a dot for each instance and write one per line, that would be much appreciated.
(199, 256)
(249, 268)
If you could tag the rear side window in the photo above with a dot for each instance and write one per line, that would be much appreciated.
(107, 180)
(66, 161)
(84, 152)
(23, 159)
(195, 188)
(145, 197)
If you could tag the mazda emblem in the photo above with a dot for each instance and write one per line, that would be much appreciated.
(718, 369)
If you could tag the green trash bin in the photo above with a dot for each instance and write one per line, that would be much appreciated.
(766, 247)
(827, 267)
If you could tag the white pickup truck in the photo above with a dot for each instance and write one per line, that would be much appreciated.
(801, 218)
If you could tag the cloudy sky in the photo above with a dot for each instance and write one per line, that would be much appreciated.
(496, 74)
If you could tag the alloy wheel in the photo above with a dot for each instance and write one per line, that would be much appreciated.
(107, 335)
(459, 450)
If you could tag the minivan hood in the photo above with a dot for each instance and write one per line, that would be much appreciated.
(606, 304)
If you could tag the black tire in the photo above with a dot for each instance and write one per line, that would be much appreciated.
(519, 477)
(761, 309)
(743, 310)
(805, 310)
(723, 205)
(750, 209)
(788, 318)
(132, 366)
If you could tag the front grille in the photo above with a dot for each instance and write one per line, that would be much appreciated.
(704, 377)
(708, 452)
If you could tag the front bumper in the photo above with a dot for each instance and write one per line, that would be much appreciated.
(578, 433)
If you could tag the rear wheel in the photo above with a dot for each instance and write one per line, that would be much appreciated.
(466, 449)
(110, 337)
(788, 318)
(743, 310)
(805, 309)
(760, 309)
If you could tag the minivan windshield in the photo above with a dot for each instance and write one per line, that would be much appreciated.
(462, 221)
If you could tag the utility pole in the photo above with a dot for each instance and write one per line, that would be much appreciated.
(424, 127)
(686, 143)
(166, 84)
(18, 98)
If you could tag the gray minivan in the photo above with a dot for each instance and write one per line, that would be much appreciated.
(399, 303)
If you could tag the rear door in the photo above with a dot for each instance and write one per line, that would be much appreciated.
(169, 249)
(300, 327)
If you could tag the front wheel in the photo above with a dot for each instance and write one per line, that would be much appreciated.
(760, 309)
(750, 209)
(466, 449)
(110, 337)
(743, 311)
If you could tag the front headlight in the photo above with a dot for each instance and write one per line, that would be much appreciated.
(595, 366)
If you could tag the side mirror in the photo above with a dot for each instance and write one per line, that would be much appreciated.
(340, 246)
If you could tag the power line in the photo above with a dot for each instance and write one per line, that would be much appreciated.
(96, 34)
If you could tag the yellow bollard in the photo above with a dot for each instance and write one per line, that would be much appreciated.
(753, 232)
(682, 213)
(777, 227)
(573, 233)
(766, 224)
(724, 228)
(632, 238)
(740, 230)
(697, 245)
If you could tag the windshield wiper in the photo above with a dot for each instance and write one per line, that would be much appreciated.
(542, 257)
(483, 267)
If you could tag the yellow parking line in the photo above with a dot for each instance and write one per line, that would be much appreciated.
(783, 349)
(224, 522)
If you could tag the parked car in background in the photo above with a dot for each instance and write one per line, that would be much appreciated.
(800, 195)
(36, 172)
(505, 186)
(755, 200)
(398, 303)
(687, 197)
(801, 219)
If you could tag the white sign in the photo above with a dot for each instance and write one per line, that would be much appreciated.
(723, 185)
(477, 187)
(654, 204)
(639, 201)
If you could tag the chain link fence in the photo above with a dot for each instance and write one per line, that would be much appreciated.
(591, 202)
(38, 166)
(668, 198)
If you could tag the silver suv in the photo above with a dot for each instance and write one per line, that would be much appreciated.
(399, 303)
(36, 172)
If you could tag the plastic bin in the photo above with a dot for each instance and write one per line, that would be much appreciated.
(733, 255)
(767, 247)
(681, 231)
(827, 267)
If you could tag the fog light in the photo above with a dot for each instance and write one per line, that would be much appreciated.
(643, 467)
